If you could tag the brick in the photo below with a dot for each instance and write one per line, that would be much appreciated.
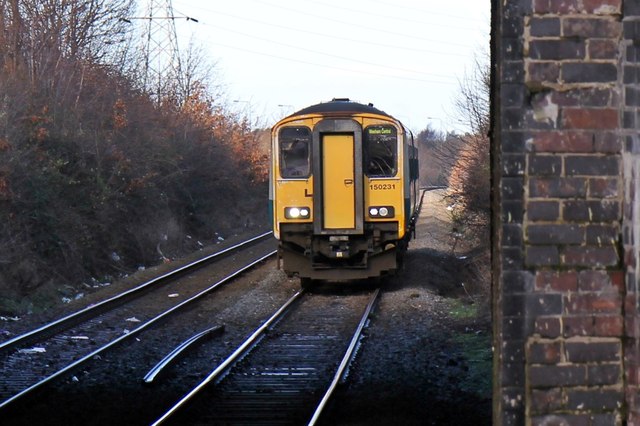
(600, 235)
(512, 235)
(514, 118)
(630, 73)
(631, 8)
(512, 71)
(557, 375)
(540, 165)
(602, 49)
(512, 211)
(608, 143)
(511, 416)
(543, 72)
(517, 281)
(543, 210)
(544, 27)
(629, 30)
(512, 328)
(555, 234)
(512, 399)
(513, 351)
(544, 352)
(631, 96)
(512, 258)
(632, 351)
(513, 165)
(557, 49)
(617, 280)
(512, 188)
(561, 142)
(542, 256)
(629, 120)
(603, 188)
(585, 72)
(630, 258)
(513, 305)
(570, 187)
(556, 6)
(543, 304)
(548, 326)
(589, 256)
(562, 420)
(632, 373)
(595, 281)
(631, 322)
(512, 374)
(581, 325)
(591, 211)
(608, 325)
(603, 7)
(512, 48)
(585, 96)
(592, 165)
(591, 27)
(595, 118)
(556, 281)
(593, 351)
(593, 303)
(604, 374)
(605, 419)
(512, 95)
(547, 400)
(594, 399)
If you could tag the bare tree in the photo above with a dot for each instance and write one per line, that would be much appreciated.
(469, 188)
(40, 35)
(472, 104)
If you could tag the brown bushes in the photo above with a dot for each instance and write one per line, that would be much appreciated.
(96, 177)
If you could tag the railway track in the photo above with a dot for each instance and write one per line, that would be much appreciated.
(286, 371)
(35, 359)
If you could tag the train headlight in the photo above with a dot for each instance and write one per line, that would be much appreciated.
(380, 212)
(297, 212)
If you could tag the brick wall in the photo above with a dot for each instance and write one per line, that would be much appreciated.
(566, 169)
(630, 65)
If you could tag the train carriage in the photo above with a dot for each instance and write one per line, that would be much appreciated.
(343, 191)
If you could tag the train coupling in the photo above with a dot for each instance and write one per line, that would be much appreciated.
(339, 245)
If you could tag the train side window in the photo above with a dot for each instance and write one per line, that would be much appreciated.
(294, 144)
(380, 151)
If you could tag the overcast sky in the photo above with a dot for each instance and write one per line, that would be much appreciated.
(277, 56)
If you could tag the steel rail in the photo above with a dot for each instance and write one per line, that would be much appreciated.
(175, 354)
(94, 310)
(346, 359)
(129, 335)
(242, 350)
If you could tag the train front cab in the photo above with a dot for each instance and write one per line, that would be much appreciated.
(342, 195)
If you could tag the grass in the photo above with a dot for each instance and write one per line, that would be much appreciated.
(462, 310)
(474, 346)
(476, 350)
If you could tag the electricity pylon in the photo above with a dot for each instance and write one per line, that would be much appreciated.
(162, 68)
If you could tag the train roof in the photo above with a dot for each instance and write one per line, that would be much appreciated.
(337, 105)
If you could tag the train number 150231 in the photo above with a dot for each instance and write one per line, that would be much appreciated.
(382, 186)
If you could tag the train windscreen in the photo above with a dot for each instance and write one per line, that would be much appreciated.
(294, 145)
(380, 151)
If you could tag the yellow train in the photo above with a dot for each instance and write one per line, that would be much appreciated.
(343, 191)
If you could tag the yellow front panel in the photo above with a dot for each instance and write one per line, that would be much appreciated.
(338, 184)
(386, 192)
(293, 193)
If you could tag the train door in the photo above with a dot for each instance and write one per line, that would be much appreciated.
(338, 182)
(337, 163)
